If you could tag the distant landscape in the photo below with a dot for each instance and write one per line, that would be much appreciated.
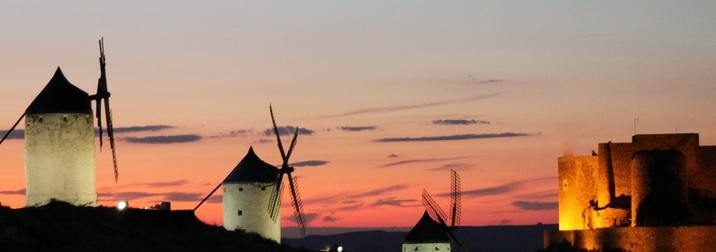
(487, 238)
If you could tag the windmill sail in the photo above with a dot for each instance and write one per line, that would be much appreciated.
(437, 214)
(208, 195)
(275, 201)
(298, 204)
(432, 207)
(273, 206)
(7, 134)
(103, 95)
(455, 199)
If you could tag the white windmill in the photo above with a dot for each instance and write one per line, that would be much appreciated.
(59, 141)
(432, 233)
(252, 193)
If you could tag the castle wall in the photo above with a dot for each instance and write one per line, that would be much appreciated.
(688, 144)
(577, 188)
(637, 239)
(664, 180)
(707, 179)
(605, 199)
(60, 158)
(659, 194)
(246, 207)
(620, 156)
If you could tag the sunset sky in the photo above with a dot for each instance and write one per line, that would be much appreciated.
(500, 89)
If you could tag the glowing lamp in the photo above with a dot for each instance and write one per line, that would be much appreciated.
(122, 204)
(339, 249)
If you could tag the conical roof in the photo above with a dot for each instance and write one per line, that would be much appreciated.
(427, 231)
(60, 96)
(252, 169)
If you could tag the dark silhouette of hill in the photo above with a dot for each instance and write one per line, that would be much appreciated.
(59, 226)
(488, 238)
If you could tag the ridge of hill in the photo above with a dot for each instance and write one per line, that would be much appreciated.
(60, 226)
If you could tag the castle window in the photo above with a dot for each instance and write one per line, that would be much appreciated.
(240, 212)
(436, 248)
(241, 189)
(416, 249)
(263, 188)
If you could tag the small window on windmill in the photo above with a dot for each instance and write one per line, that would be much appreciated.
(240, 212)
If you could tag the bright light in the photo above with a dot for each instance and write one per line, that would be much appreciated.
(339, 249)
(122, 204)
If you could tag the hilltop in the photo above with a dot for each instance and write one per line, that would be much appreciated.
(59, 226)
(486, 238)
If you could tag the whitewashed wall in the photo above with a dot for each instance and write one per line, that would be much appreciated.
(252, 200)
(60, 158)
(407, 247)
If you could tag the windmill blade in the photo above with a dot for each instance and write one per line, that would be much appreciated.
(103, 94)
(209, 195)
(98, 114)
(298, 204)
(275, 200)
(433, 208)
(455, 198)
(437, 214)
(110, 133)
(101, 91)
(7, 134)
(293, 144)
(278, 137)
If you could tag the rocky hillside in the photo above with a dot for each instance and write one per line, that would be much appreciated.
(59, 226)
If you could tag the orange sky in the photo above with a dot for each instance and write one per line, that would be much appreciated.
(569, 75)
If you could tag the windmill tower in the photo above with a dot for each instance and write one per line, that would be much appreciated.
(247, 192)
(432, 232)
(252, 193)
(59, 141)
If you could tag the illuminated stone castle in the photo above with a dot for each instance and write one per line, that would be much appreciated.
(656, 193)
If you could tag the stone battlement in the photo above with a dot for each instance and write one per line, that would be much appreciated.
(656, 180)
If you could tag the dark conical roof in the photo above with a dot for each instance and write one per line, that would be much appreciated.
(252, 169)
(60, 96)
(427, 231)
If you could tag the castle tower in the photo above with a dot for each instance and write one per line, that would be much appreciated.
(247, 193)
(427, 235)
(59, 145)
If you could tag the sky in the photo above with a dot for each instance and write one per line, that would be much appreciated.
(391, 94)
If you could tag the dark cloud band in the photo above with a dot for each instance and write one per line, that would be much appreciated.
(20, 133)
(310, 163)
(288, 130)
(499, 189)
(357, 128)
(144, 128)
(534, 205)
(460, 122)
(425, 160)
(163, 139)
(387, 109)
(452, 137)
